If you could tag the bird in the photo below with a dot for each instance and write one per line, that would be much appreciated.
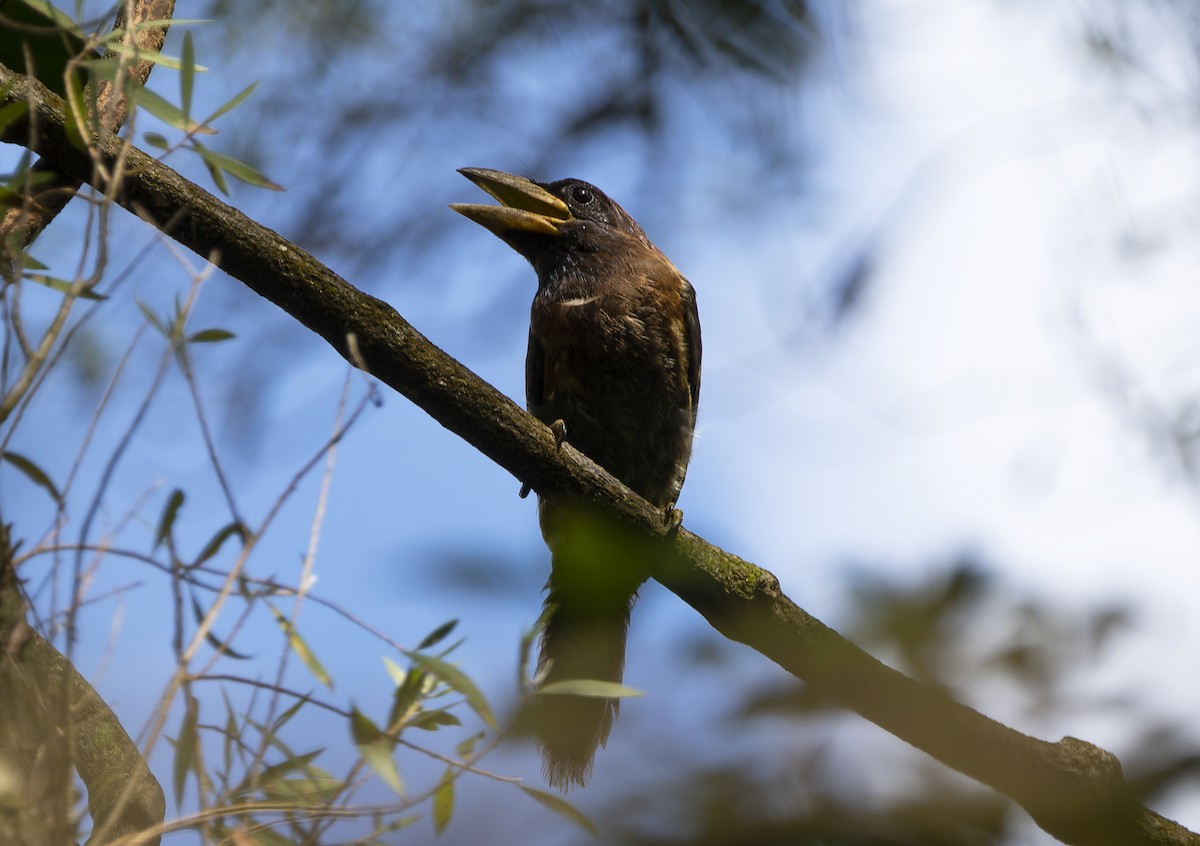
(613, 368)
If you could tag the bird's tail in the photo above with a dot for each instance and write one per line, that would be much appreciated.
(583, 639)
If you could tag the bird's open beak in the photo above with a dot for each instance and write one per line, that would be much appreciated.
(526, 206)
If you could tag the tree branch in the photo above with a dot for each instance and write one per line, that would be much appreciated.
(1072, 789)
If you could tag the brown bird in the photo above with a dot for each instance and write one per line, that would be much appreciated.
(613, 367)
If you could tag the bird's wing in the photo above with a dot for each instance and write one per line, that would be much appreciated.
(535, 368)
(691, 340)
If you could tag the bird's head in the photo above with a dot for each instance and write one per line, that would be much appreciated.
(542, 220)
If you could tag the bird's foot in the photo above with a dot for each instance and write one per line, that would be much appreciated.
(672, 518)
(559, 429)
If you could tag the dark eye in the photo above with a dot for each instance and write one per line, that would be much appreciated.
(582, 194)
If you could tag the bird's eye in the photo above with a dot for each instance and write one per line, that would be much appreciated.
(582, 194)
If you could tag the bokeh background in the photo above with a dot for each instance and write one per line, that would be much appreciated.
(944, 256)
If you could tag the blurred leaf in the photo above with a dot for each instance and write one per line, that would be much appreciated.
(32, 472)
(301, 648)
(238, 170)
(210, 637)
(218, 540)
(156, 140)
(233, 103)
(187, 73)
(185, 747)
(153, 319)
(167, 521)
(458, 680)
(64, 286)
(437, 635)
(589, 687)
(11, 112)
(466, 747)
(210, 336)
(376, 749)
(563, 808)
(434, 719)
(405, 699)
(443, 802)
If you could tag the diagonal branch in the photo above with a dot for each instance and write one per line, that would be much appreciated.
(1072, 789)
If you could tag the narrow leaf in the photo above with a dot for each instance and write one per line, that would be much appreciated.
(236, 169)
(168, 113)
(443, 802)
(156, 140)
(432, 720)
(167, 520)
(34, 473)
(301, 649)
(437, 635)
(218, 540)
(466, 747)
(153, 319)
(185, 748)
(233, 103)
(210, 336)
(563, 808)
(590, 687)
(187, 73)
(405, 699)
(64, 286)
(212, 640)
(458, 680)
(376, 749)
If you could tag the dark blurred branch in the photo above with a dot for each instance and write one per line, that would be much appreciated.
(40, 693)
(1072, 789)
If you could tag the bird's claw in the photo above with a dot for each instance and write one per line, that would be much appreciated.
(559, 429)
(672, 518)
(525, 489)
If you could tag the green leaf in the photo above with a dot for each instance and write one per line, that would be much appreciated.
(301, 649)
(140, 54)
(233, 103)
(210, 336)
(458, 680)
(187, 73)
(11, 112)
(433, 720)
(236, 169)
(167, 521)
(443, 802)
(437, 635)
(292, 710)
(156, 140)
(34, 473)
(218, 540)
(466, 747)
(212, 640)
(590, 687)
(76, 112)
(405, 699)
(376, 749)
(394, 670)
(563, 808)
(309, 790)
(185, 747)
(153, 319)
(64, 286)
(168, 113)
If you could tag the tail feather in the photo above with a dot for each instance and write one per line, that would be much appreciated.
(584, 638)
